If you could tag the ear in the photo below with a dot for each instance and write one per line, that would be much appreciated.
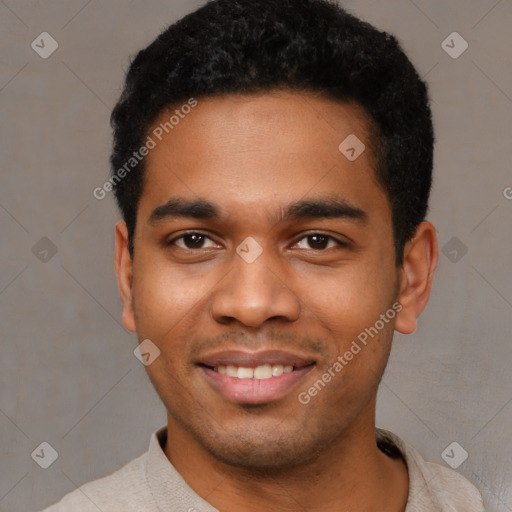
(416, 276)
(124, 268)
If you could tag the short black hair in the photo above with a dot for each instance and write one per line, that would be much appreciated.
(250, 46)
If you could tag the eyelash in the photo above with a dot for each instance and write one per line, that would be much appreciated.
(340, 243)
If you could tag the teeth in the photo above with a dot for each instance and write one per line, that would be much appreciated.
(277, 370)
(245, 373)
(231, 371)
(263, 372)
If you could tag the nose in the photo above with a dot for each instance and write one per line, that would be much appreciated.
(253, 293)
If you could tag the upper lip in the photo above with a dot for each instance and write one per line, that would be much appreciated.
(252, 359)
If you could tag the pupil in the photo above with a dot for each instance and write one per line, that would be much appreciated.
(319, 241)
(194, 240)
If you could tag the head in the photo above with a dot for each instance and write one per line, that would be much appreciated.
(248, 233)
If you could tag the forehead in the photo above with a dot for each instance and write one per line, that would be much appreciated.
(261, 151)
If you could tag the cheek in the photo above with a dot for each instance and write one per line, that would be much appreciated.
(167, 300)
(167, 306)
(348, 301)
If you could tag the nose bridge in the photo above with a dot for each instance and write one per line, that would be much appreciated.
(253, 292)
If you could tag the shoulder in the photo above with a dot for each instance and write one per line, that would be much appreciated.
(454, 488)
(125, 489)
(432, 485)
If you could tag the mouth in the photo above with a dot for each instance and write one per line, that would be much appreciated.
(254, 378)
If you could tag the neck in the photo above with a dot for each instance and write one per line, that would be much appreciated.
(352, 475)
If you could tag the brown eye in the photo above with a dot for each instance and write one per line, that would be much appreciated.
(191, 241)
(319, 242)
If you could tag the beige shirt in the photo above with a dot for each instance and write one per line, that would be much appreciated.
(150, 483)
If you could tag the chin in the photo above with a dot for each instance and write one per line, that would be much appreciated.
(274, 450)
(258, 458)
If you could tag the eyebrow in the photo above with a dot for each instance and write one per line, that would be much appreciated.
(328, 207)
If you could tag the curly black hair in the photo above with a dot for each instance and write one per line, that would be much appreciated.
(245, 46)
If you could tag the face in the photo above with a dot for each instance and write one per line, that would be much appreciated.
(262, 253)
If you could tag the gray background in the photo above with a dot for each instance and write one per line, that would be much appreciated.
(68, 375)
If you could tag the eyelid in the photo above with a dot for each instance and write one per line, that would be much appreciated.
(189, 232)
(342, 241)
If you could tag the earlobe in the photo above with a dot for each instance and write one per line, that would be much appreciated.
(124, 271)
(416, 276)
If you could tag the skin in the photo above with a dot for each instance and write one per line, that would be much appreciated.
(252, 155)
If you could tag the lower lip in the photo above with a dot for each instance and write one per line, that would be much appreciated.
(255, 391)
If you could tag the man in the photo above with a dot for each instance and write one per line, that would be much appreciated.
(272, 162)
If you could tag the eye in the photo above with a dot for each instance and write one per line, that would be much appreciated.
(318, 241)
(192, 241)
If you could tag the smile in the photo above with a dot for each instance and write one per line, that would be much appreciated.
(254, 378)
